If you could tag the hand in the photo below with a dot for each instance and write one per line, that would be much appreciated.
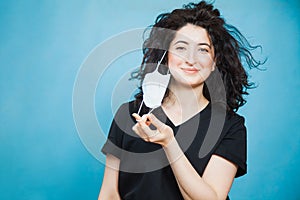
(162, 135)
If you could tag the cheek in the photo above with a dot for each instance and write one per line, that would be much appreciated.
(207, 64)
(174, 60)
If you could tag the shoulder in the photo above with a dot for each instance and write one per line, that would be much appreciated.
(234, 126)
(123, 119)
(234, 119)
(126, 109)
(231, 121)
(233, 143)
(123, 111)
(219, 111)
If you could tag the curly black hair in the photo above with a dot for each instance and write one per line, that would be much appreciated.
(232, 50)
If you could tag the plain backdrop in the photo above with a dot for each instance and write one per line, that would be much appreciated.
(44, 43)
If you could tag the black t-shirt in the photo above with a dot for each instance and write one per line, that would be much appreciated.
(144, 169)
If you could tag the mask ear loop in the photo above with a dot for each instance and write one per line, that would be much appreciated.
(140, 107)
(157, 66)
(159, 62)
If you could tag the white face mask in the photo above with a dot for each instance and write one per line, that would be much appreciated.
(154, 87)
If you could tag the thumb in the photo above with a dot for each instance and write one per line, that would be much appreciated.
(156, 122)
(137, 117)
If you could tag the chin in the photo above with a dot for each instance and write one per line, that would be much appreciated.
(192, 84)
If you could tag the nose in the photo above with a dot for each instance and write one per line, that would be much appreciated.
(190, 58)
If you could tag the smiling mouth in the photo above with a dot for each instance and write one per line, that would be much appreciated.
(190, 70)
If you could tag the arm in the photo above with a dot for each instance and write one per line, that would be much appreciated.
(109, 189)
(218, 175)
(215, 182)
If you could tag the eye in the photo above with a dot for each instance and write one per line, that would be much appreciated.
(180, 48)
(203, 50)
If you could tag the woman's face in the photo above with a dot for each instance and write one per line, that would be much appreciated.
(191, 56)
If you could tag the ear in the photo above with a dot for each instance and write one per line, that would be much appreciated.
(213, 67)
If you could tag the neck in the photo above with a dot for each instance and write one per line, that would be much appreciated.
(184, 96)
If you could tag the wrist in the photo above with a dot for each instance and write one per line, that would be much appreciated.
(173, 150)
(168, 140)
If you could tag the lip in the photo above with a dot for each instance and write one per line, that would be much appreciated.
(190, 70)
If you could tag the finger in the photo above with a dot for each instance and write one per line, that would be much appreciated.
(143, 126)
(156, 122)
(144, 118)
(147, 130)
(144, 132)
(137, 117)
(138, 130)
(148, 123)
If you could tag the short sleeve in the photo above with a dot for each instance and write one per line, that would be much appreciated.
(113, 144)
(233, 146)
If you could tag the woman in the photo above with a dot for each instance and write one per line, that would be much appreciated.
(196, 127)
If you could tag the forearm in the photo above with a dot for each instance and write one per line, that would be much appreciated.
(109, 188)
(217, 177)
(190, 182)
(108, 196)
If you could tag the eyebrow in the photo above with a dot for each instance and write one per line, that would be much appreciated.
(201, 43)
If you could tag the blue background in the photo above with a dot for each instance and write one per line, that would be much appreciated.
(42, 45)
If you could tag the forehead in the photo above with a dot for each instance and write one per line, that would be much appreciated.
(192, 33)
